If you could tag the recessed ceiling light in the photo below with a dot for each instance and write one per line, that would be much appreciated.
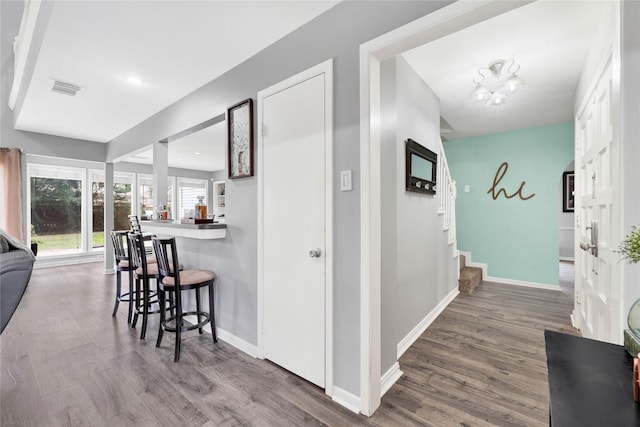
(134, 80)
(197, 153)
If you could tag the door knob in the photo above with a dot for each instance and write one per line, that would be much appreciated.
(593, 245)
(586, 246)
(315, 253)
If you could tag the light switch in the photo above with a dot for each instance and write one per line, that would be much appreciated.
(345, 181)
(467, 188)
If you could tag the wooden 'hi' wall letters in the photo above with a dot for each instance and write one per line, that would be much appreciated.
(500, 173)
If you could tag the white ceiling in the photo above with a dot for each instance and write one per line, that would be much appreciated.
(203, 150)
(173, 47)
(176, 47)
(548, 39)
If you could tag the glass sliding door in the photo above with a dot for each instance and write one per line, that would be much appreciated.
(145, 197)
(122, 194)
(56, 208)
(122, 200)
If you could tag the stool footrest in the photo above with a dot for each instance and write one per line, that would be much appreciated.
(172, 328)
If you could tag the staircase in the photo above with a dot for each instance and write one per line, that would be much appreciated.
(470, 277)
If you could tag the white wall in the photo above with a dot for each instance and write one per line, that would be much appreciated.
(417, 268)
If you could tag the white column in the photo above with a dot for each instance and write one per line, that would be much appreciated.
(108, 218)
(160, 174)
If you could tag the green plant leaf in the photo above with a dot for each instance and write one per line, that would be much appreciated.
(629, 248)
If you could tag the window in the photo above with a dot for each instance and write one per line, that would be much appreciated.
(145, 196)
(122, 183)
(188, 191)
(56, 208)
(67, 204)
(97, 212)
(122, 199)
(146, 206)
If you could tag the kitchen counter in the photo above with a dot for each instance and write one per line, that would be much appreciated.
(192, 231)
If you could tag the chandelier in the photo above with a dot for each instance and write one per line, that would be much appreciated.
(497, 82)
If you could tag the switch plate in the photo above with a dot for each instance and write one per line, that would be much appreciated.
(345, 180)
(467, 188)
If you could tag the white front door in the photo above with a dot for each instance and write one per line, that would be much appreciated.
(292, 180)
(597, 291)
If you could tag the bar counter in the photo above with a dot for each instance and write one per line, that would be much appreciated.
(192, 231)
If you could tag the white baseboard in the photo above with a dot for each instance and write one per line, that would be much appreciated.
(229, 338)
(488, 278)
(109, 271)
(470, 263)
(415, 333)
(239, 343)
(346, 399)
(523, 283)
(389, 378)
(58, 261)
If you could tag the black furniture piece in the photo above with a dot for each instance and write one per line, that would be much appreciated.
(124, 263)
(119, 240)
(144, 269)
(134, 223)
(590, 383)
(16, 265)
(176, 283)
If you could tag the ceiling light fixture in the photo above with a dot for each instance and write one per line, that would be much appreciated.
(134, 80)
(503, 83)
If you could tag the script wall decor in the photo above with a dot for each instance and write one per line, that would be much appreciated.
(495, 192)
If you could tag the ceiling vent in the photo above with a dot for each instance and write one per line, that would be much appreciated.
(65, 88)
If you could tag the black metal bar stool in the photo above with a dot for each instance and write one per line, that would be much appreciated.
(119, 240)
(172, 282)
(135, 228)
(144, 269)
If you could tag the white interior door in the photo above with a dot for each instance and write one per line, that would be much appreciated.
(597, 290)
(293, 269)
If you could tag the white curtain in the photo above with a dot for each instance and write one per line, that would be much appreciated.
(11, 218)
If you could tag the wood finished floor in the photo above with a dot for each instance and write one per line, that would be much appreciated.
(66, 362)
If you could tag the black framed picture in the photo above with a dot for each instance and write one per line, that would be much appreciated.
(240, 139)
(568, 191)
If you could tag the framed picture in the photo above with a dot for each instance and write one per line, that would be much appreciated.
(567, 192)
(240, 139)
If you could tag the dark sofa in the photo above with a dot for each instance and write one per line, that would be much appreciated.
(16, 264)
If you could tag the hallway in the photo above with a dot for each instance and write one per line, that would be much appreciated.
(567, 277)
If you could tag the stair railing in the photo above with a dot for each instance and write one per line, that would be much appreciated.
(446, 190)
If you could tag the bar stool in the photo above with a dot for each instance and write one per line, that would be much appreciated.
(170, 281)
(135, 228)
(134, 223)
(118, 238)
(144, 269)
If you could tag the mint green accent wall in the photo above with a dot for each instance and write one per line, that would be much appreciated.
(517, 239)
